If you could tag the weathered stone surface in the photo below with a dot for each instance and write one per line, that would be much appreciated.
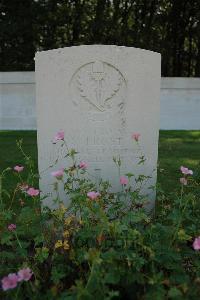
(99, 95)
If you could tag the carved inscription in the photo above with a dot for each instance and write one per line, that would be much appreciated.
(98, 90)
(99, 145)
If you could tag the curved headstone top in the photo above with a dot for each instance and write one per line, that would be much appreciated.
(99, 95)
(97, 47)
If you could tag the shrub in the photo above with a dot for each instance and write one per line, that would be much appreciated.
(104, 245)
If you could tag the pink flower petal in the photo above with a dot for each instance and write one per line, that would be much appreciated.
(60, 135)
(9, 282)
(18, 168)
(12, 227)
(93, 195)
(186, 171)
(83, 165)
(136, 136)
(196, 244)
(33, 192)
(123, 180)
(58, 174)
(24, 274)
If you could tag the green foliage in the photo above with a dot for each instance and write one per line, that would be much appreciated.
(107, 248)
(166, 26)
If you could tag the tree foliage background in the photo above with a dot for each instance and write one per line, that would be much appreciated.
(171, 27)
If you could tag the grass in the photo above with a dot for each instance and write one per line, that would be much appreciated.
(10, 154)
(176, 148)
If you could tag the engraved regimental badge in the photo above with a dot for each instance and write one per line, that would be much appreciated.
(97, 83)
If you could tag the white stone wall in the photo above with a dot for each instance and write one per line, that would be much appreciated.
(17, 100)
(180, 102)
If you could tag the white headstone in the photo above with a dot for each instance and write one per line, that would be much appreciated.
(99, 95)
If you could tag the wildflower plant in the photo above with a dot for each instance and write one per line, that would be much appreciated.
(103, 245)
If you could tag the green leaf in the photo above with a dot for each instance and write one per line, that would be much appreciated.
(174, 293)
(6, 239)
(57, 274)
(42, 254)
(129, 175)
(113, 277)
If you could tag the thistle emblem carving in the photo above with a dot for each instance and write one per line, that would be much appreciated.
(97, 83)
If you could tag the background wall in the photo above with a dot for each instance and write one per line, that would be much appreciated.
(180, 102)
(17, 100)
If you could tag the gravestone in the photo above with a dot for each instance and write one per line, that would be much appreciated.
(99, 95)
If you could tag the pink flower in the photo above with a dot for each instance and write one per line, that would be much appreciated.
(123, 180)
(24, 274)
(60, 135)
(9, 282)
(186, 171)
(93, 195)
(136, 136)
(196, 243)
(83, 165)
(183, 181)
(12, 227)
(18, 168)
(33, 192)
(58, 174)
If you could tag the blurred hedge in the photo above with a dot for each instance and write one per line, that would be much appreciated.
(171, 27)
